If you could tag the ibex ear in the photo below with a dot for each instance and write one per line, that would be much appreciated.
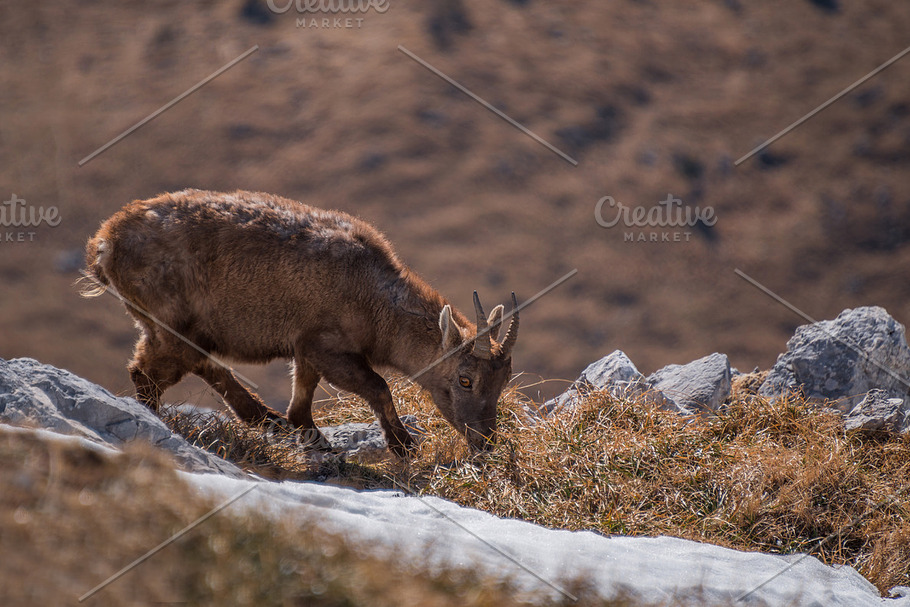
(495, 322)
(451, 333)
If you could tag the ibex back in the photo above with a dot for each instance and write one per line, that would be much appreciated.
(253, 277)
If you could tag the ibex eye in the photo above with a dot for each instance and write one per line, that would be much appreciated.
(465, 382)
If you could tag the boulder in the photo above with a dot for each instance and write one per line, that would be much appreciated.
(614, 372)
(879, 411)
(699, 386)
(33, 394)
(842, 359)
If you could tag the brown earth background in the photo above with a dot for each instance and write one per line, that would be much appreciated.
(650, 97)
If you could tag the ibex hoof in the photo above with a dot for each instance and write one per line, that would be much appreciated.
(312, 438)
(276, 426)
(401, 443)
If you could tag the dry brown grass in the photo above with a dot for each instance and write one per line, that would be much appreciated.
(71, 517)
(779, 478)
(248, 447)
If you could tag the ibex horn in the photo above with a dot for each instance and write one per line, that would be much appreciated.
(482, 343)
(512, 334)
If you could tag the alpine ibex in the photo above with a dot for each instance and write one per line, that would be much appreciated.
(254, 277)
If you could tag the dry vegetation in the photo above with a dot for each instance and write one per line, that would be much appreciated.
(780, 478)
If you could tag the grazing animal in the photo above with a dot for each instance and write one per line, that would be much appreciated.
(253, 277)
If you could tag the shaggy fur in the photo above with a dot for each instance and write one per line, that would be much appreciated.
(253, 277)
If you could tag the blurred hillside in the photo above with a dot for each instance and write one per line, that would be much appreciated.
(650, 98)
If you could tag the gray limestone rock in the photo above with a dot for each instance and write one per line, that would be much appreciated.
(33, 394)
(879, 411)
(364, 442)
(843, 359)
(614, 372)
(698, 386)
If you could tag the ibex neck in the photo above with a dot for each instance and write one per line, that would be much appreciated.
(418, 350)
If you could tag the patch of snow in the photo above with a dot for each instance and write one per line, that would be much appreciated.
(421, 530)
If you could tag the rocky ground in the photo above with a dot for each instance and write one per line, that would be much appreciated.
(854, 365)
(857, 364)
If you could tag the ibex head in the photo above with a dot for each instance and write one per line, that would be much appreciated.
(472, 378)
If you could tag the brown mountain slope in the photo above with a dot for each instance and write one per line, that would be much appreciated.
(650, 98)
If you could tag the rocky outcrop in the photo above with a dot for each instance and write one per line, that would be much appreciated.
(614, 373)
(33, 394)
(858, 364)
(838, 361)
(698, 386)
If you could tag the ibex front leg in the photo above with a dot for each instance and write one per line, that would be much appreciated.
(352, 373)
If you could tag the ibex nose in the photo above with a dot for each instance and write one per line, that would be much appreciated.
(488, 444)
(481, 441)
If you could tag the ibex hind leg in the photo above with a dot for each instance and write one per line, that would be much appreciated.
(352, 373)
(248, 407)
(156, 366)
(300, 411)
